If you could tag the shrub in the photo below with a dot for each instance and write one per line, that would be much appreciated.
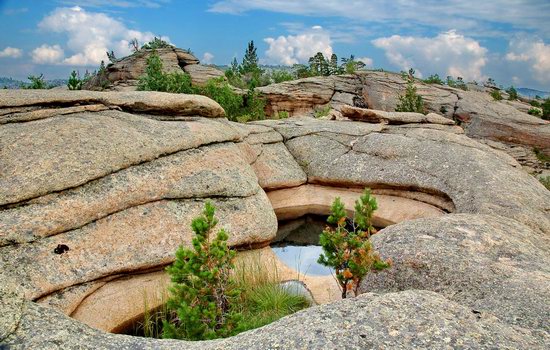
(74, 83)
(458, 83)
(347, 247)
(535, 103)
(281, 115)
(218, 90)
(545, 180)
(202, 286)
(537, 112)
(434, 79)
(155, 79)
(411, 101)
(156, 43)
(280, 76)
(512, 93)
(322, 112)
(495, 94)
(37, 82)
(546, 109)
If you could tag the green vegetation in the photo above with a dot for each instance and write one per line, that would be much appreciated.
(347, 247)
(537, 112)
(535, 103)
(237, 107)
(75, 83)
(541, 156)
(203, 289)
(546, 109)
(280, 76)
(495, 94)
(37, 82)
(545, 180)
(210, 298)
(434, 79)
(319, 65)
(156, 80)
(458, 83)
(512, 93)
(156, 43)
(322, 111)
(281, 115)
(411, 101)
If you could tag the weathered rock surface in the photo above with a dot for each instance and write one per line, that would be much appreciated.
(124, 74)
(298, 97)
(201, 74)
(410, 319)
(482, 118)
(396, 118)
(118, 190)
(488, 263)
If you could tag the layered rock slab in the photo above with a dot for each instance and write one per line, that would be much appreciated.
(491, 264)
(419, 319)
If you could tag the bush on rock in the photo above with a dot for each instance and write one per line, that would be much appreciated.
(347, 247)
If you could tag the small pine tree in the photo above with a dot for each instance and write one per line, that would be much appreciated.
(512, 93)
(434, 79)
(202, 285)
(250, 59)
(495, 94)
(37, 82)
(156, 80)
(347, 247)
(74, 83)
(411, 101)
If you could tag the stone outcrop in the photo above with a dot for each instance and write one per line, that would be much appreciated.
(503, 122)
(124, 74)
(98, 190)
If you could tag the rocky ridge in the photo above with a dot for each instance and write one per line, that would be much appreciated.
(118, 186)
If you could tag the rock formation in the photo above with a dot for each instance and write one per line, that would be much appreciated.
(97, 190)
(504, 125)
(123, 75)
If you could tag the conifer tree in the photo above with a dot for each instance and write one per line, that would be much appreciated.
(411, 101)
(202, 285)
(74, 83)
(347, 247)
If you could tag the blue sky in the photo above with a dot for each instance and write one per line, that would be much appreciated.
(508, 40)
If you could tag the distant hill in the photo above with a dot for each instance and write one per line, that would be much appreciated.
(532, 93)
(16, 84)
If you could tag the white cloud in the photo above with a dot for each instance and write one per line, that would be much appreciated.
(535, 54)
(11, 52)
(116, 3)
(449, 53)
(366, 60)
(292, 49)
(207, 58)
(91, 34)
(47, 54)
(447, 14)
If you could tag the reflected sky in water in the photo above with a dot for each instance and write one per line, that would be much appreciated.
(303, 259)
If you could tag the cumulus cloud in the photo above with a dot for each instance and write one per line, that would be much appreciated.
(11, 52)
(90, 35)
(47, 54)
(207, 58)
(366, 60)
(292, 49)
(449, 53)
(533, 53)
(461, 14)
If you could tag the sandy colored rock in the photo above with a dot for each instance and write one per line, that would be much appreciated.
(374, 116)
(217, 170)
(314, 199)
(201, 74)
(276, 168)
(488, 264)
(66, 151)
(108, 246)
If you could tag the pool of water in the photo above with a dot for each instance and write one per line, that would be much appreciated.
(297, 245)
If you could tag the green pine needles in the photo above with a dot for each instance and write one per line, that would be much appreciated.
(411, 101)
(202, 285)
(347, 247)
(156, 80)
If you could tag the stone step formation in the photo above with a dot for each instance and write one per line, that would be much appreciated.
(97, 190)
